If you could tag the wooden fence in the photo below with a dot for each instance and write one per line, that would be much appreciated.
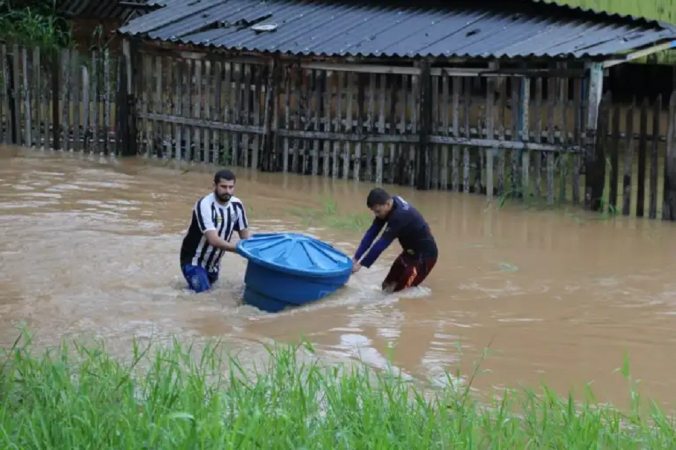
(65, 101)
(509, 136)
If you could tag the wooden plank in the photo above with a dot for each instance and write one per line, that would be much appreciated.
(95, 147)
(65, 99)
(158, 103)
(370, 124)
(227, 112)
(85, 107)
(360, 94)
(414, 108)
(178, 110)
(45, 100)
(107, 89)
(562, 103)
(423, 157)
(188, 107)
(595, 167)
(445, 131)
(257, 119)
(55, 65)
(657, 108)
(336, 124)
(551, 102)
(642, 149)
(466, 134)
(245, 118)
(669, 202)
(37, 98)
(499, 124)
(275, 83)
(6, 123)
(287, 117)
(296, 91)
(145, 98)
(628, 160)
(26, 82)
(382, 100)
(403, 161)
(349, 92)
(435, 128)
(394, 102)
(199, 151)
(208, 80)
(326, 125)
(577, 138)
(317, 90)
(236, 106)
(455, 164)
(614, 157)
(524, 118)
(16, 87)
(304, 116)
(490, 133)
(515, 102)
(76, 104)
(218, 112)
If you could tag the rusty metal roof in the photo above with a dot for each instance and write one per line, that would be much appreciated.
(476, 29)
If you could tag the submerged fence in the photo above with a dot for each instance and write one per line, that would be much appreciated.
(499, 134)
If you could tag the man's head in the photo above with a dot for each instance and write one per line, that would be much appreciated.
(224, 185)
(380, 202)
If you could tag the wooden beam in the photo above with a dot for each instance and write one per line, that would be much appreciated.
(594, 166)
(640, 53)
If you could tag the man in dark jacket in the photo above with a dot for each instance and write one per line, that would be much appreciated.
(406, 224)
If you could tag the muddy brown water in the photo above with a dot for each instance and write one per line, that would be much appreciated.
(90, 246)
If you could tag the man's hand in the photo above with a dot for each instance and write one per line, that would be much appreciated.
(355, 266)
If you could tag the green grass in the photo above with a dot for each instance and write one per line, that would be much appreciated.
(80, 397)
(328, 214)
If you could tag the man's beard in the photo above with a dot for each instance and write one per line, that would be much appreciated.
(224, 197)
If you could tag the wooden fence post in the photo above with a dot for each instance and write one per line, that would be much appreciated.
(11, 95)
(594, 162)
(269, 114)
(56, 85)
(669, 204)
(422, 159)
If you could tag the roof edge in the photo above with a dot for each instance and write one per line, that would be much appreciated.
(606, 14)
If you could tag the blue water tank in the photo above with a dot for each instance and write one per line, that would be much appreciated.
(291, 269)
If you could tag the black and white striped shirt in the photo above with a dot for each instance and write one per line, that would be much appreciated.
(207, 215)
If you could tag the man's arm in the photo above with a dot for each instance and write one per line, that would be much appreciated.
(242, 224)
(391, 232)
(207, 226)
(369, 237)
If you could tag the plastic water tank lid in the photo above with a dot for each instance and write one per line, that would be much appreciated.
(294, 252)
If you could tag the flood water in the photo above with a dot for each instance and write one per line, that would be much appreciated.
(90, 247)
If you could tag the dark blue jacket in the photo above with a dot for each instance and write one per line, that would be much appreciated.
(404, 223)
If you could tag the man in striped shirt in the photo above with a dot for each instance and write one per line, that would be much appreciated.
(214, 218)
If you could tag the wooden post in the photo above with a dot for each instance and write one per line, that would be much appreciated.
(127, 97)
(524, 122)
(595, 166)
(669, 205)
(56, 84)
(422, 159)
(269, 133)
(11, 95)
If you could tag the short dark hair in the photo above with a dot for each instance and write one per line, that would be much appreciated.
(226, 175)
(377, 196)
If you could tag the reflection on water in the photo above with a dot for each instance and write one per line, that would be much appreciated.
(90, 248)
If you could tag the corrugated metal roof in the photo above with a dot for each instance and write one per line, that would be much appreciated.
(478, 29)
(105, 9)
